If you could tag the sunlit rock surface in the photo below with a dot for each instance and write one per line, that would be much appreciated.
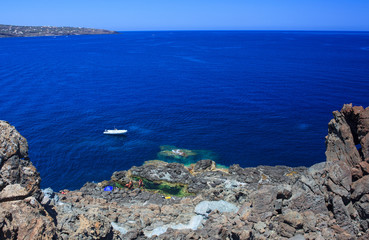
(22, 216)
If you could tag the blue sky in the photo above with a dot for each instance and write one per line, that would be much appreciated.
(127, 15)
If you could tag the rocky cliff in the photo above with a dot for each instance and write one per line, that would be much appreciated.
(22, 216)
(329, 200)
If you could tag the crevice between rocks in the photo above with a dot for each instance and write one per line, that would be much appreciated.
(15, 198)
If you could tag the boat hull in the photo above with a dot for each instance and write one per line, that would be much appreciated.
(114, 132)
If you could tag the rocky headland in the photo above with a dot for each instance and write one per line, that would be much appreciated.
(38, 31)
(329, 200)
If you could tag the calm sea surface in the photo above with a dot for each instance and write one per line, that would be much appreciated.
(250, 97)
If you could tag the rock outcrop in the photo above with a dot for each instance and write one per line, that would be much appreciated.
(329, 200)
(347, 167)
(21, 214)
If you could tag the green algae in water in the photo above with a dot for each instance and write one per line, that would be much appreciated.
(118, 185)
(165, 188)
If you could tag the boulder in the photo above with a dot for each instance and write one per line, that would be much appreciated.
(360, 187)
(286, 230)
(305, 200)
(25, 219)
(260, 227)
(362, 206)
(244, 211)
(11, 142)
(341, 214)
(15, 167)
(340, 178)
(294, 219)
(364, 167)
(204, 165)
(310, 221)
(263, 202)
(13, 192)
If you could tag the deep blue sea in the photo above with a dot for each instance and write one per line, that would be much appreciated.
(250, 97)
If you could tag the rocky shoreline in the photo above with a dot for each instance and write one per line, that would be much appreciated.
(38, 31)
(329, 200)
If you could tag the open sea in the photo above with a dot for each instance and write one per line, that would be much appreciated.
(248, 97)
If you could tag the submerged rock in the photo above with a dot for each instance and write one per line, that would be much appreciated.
(173, 154)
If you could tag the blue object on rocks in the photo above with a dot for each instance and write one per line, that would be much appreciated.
(108, 188)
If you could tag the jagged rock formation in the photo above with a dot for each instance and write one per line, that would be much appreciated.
(38, 31)
(21, 214)
(329, 200)
(348, 167)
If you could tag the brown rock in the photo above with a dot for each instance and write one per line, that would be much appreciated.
(362, 206)
(260, 227)
(204, 165)
(307, 201)
(13, 192)
(352, 211)
(340, 175)
(21, 216)
(15, 168)
(245, 234)
(294, 219)
(169, 210)
(358, 119)
(364, 166)
(341, 234)
(340, 142)
(11, 142)
(309, 221)
(328, 233)
(352, 115)
(365, 147)
(286, 230)
(263, 202)
(363, 132)
(244, 211)
(21, 220)
(342, 214)
(356, 173)
(365, 236)
(360, 187)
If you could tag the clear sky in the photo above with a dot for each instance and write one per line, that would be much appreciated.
(127, 15)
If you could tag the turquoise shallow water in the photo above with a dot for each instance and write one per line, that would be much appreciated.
(249, 97)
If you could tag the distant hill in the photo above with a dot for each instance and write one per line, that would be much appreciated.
(37, 31)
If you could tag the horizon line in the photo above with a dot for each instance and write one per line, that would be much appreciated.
(162, 30)
(236, 30)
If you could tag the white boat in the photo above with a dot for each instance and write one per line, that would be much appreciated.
(115, 132)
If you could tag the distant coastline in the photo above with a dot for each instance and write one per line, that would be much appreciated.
(38, 31)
